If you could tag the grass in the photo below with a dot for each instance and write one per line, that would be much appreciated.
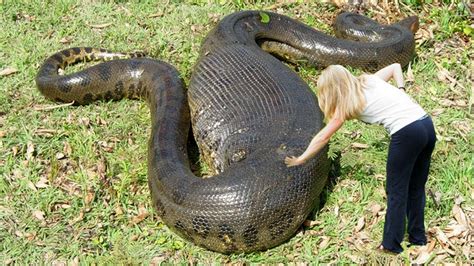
(73, 184)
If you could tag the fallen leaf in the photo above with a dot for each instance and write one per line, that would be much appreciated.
(444, 241)
(357, 259)
(360, 224)
(42, 183)
(30, 149)
(78, 218)
(118, 210)
(359, 145)
(325, 242)
(447, 103)
(38, 215)
(409, 77)
(460, 103)
(2, 133)
(31, 185)
(30, 236)
(156, 15)
(311, 223)
(157, 260)
(458, 200)
(85, 121)
(459, 215)
(74, 262)
(8, 71)
(101, 26)
(66, 40)
(375, 209)
(437, 112)
(443, 74)
(45, 132)
(455, 230)
(142, 214)
(89, 197)
(466, 251)
(423, 257)
(67, 149)
(430, 246)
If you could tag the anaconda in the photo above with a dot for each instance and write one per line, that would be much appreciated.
(248, 111)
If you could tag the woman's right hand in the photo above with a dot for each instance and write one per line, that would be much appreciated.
(293, 161)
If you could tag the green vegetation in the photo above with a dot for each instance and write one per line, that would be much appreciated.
(73, 184)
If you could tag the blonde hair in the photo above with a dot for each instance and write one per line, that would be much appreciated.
(340, 94)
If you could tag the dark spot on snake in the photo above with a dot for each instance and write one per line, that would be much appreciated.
(134, 64)
(131, 89)
(109, 95)
(184, 230)
(58, 58)
(178, 197)
(98, 96)
(76, 59)
(88, 98)
(250, 235)
(88, 50)
(104, 71)
(76, 50)
(225, 229)
(281, 224)
(139, 87)
(226, 234)
(119, 88)
(201, 226)
(373, 65)
(66, 53)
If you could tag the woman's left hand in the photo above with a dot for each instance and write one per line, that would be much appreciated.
(293, 161)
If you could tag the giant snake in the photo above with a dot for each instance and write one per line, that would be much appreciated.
(248, 111)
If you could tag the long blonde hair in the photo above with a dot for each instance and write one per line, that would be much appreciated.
(340, 94)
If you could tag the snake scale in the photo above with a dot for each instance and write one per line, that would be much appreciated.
(248, 111)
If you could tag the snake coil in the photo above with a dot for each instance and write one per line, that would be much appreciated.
(248, 111)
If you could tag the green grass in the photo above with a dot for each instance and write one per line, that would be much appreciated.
(99, 188)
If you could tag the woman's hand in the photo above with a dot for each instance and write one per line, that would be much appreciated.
(293, 161)
(317, 143)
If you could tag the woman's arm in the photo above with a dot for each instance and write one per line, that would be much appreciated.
(392, 71)
(316, 144)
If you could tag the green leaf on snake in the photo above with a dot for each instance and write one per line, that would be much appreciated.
(265, 18)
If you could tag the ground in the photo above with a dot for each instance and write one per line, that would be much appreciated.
(73, 185)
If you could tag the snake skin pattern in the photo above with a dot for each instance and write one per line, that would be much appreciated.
(248, 112)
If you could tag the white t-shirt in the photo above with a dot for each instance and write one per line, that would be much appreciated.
(388, 105)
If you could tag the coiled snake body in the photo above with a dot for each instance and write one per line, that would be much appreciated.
(248, 111)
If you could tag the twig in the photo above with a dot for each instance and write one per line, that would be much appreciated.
(408, 7)
(453, 80)
(51, 107)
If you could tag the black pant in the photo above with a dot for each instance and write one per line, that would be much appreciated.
(408, 164)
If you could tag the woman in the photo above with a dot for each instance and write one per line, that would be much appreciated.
(372, 99)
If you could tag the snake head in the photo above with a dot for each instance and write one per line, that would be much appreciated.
(412, 23)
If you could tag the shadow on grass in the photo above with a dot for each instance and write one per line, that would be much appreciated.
(333, 178)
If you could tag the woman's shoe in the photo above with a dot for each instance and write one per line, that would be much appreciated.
(382, 249)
